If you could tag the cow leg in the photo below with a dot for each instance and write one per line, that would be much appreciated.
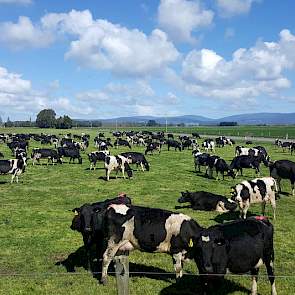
(254, 273)
(142, 167)
(107, 258)
(108, 174)
(177, 258)
(271, 276)
(279, 184)
(263, 208)
(292, 187)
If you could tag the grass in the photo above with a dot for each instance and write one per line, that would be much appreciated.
(35, 220)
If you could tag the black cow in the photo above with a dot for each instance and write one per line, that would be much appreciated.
(122, 142)
(253, 162)
(196, 135)
(239, 247)
(72, 153)
(175, 144)
(206, 201)
(147, 229)
(88, 221)
(49, 154)
(283, 169)
(138, 159)
(15, 167)
(97, 156)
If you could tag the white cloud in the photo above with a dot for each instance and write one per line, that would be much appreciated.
(102, 45)
(21, 2)
(229, 8)
(24, 34)
(229, 33)
(180, 18)
(251, 72)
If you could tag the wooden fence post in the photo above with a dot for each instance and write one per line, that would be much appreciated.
(122, 273)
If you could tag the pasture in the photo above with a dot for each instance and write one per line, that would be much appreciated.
(35, 220)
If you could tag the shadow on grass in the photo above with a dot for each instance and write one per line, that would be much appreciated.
(79, 259)
(192, 285)
(97, 168)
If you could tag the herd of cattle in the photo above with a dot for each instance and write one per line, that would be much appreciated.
(118, 225)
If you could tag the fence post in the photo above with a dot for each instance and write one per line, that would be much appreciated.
(122, 273)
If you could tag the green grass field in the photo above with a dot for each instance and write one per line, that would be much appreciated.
(35, 220)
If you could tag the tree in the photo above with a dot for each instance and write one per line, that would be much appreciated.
(8, 123)
(46, 119)
(151, 123)
(64, 122)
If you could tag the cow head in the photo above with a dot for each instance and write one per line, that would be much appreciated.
(230, 205)
(185, 197)
(211, 251)
(128, 170)
(231, 173)
(82, 221)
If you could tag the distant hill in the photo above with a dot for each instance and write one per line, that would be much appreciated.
(242, 119)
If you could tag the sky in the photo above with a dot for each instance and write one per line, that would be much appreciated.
(92, 59)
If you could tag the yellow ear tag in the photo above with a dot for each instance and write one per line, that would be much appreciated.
(190, 244)
(76, 213)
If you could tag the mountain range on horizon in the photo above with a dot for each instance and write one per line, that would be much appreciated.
(242, 119)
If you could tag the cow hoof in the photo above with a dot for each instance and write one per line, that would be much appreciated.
(104, 281)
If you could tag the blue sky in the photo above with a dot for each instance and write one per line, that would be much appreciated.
(102, 59)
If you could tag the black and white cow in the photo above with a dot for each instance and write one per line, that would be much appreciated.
(97, 156)
(138, 159)
(209, 144)
(283, 169)
(207, 201)
(88, 221)
(238, 247)
(15, 167)
(149, 230)
(72, 153)
(117, 163)
(200, 159)
(49, 154)
(153, 146)
(259, 190)
(220, 166)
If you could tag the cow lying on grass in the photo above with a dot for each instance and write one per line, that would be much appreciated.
(239, 247)
(206, 201)
(259, 190)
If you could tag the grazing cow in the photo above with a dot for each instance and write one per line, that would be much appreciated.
(97, 156)
(175, 144)
(259, 190)
(153, 146)
(87, 221)
(242, 151)
(253, 162)
(238, 247)
(117, 163)
(138, 159)
(187, 144)
(286, 145)
(221, 141)
(72, 153)
(1, 155)
(249, 142)
(49, 154)
(220, 166)
(15, 167)
(200, 159)
(283, 169)
(17, 144)
(196, 135)
(209, 144)
(206, 201)
(122, 142)
(148, 229)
